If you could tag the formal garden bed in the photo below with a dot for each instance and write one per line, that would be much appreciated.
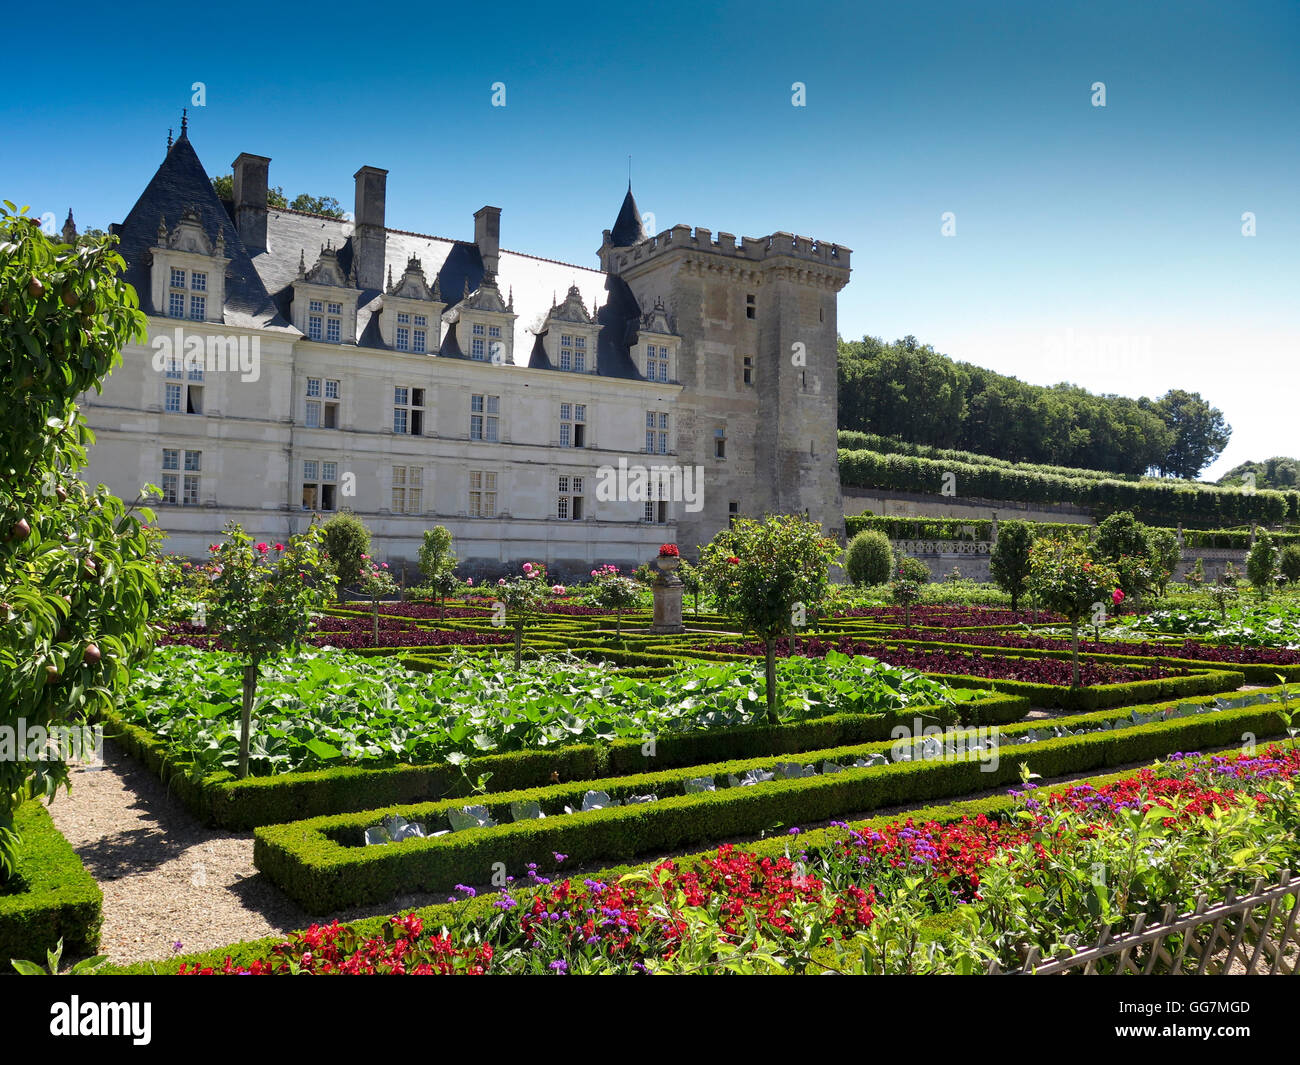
(935, 891)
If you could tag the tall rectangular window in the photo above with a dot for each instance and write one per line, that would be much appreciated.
(569, 499)
(408, 410)
(420, 334)
(172, 404)
(408, 489)
(573, 425)
(656, 433)
(176, 294)
(747, 365)
(482, 494)
(484, 418)
(656, 363)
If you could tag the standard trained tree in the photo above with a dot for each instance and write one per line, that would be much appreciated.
(1261, 564)
(1009, 559)
(78, 581)
(263, 599)
(769, 576)
(1064, 578)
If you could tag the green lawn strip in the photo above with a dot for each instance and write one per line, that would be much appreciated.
(309, 863)
(51, 896)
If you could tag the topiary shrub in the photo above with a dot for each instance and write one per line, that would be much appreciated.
(345, 541)
(870, 559)
(1289, 566)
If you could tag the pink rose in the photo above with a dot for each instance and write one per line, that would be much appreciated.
(384, 565)
(262, 548)
(557, 589)
(501, 583)
(528, 567)
(279, 547)
(469, 582)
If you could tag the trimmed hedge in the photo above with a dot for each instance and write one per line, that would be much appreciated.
(56, 898)
(481, 908)
(221, 800)
(1168, 502)
(305, 860)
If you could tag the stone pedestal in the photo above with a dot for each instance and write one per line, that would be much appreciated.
(667, 590)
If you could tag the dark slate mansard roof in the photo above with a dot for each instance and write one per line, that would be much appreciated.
(259, 288)
(180, 183)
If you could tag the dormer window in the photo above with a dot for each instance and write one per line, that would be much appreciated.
(478, 347)
(420, 342)
(188, 271)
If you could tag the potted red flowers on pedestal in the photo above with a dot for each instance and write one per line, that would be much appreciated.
(669, 557)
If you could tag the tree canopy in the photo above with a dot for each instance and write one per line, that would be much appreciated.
(910, 391)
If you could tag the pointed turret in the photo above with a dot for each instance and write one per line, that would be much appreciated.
(627, 227)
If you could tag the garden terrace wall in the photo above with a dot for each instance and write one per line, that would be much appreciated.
(221, 800)
(305, 860)
(58, 900)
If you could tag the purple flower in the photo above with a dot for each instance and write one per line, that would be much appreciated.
(560, 966)
(559, 858)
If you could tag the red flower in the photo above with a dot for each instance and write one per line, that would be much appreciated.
(1117, 596)
(668, 551)
(262, 548)
(734, 560)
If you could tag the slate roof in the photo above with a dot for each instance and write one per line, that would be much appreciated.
(259, 288)
(628, 229)
(179, 183)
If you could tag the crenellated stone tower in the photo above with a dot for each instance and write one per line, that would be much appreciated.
(757, 362)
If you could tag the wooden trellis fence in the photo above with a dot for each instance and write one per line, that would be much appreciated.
(1230, 937)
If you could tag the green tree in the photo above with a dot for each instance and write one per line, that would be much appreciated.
(1279, 472)
(767, 575)
(1199, 433)
(376, 583)
(346, 542)
(690, 578)
(914, 570)
(1009, 559)
(869, 558)
(519, 600)
(1165, 553)
(78, 581)
(1126, 543)
(326, 205)
(435, 552)
(438, 564)
(1262, 564)
(1064, 578)
(1289, 564)
(263, 600)
(225, 188)
(615, 592)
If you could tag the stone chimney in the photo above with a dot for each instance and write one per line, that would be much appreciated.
(487, 235)
(368, 238)
(249, 192)
(248, 189)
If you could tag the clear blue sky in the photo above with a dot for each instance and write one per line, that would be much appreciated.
(1073, 222)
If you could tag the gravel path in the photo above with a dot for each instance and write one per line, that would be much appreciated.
(166, 877)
